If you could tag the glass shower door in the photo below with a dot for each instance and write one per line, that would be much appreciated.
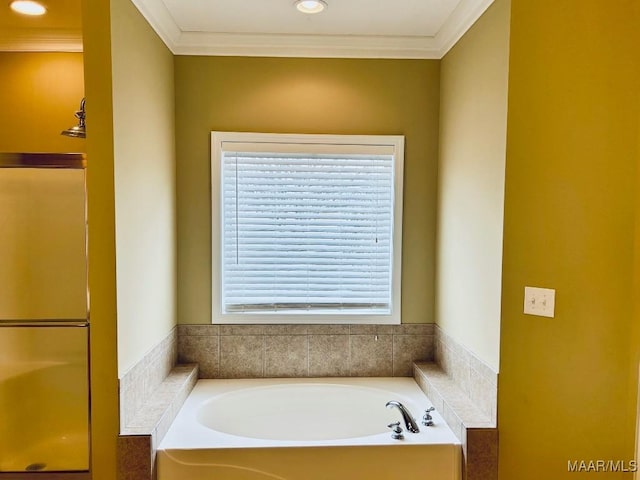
(44, 328)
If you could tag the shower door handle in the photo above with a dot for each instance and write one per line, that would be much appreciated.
(43, 323)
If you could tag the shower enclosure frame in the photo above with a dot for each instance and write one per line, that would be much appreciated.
(43, 160)
(55, 161)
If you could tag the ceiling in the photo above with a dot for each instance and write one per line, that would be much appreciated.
(347, 28)
(59, 30)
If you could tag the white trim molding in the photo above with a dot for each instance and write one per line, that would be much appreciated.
(313, 46)
(40, 40)
(462, 19)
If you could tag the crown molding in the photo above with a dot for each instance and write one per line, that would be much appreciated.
(466, 13)
(40, 40)
(328, 46)
(157, 15)
(313, 46)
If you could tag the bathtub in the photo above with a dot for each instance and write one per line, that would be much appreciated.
(311, 429)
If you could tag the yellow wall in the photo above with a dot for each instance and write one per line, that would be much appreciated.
(567, 388)
(473, 117)
(143, 119)
(284, 95)
(634, 336)
(40, 94)
(101, 238)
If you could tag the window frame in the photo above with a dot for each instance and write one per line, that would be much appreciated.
(395, 142)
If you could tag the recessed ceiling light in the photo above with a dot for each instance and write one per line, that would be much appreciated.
(28, 7)
(311, 6)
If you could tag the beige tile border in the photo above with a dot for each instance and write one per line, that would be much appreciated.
(256, 351)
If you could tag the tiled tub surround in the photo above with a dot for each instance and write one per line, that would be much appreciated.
(138, 441)
(478, 434)
(151, 394)
(140, 381)
(255, 351)
(464, 390)
(477, 380)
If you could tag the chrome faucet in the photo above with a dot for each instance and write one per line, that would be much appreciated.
(409, 422)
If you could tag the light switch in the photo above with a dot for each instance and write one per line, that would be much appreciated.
(539, 301)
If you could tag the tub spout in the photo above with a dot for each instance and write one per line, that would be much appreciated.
(409, 422)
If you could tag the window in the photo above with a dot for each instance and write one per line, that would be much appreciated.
(306, 228)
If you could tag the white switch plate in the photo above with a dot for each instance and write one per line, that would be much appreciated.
(539, 301)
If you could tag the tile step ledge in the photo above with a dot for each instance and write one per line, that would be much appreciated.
(450, 400)
(159, 411)
(139, 440)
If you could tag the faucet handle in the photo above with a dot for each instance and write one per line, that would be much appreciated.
(396, 431)
(427, 419)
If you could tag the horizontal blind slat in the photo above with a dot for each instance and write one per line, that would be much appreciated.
(306, 231)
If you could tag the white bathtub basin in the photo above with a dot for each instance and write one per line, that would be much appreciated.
(307, 429)
(301, 412)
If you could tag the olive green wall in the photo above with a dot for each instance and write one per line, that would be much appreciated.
(285, 95)
(143, 119)
(567, 388)
(471, 165)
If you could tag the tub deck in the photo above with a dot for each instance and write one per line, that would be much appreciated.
(192, 450)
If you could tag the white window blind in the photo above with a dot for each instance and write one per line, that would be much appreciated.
(305, 232)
